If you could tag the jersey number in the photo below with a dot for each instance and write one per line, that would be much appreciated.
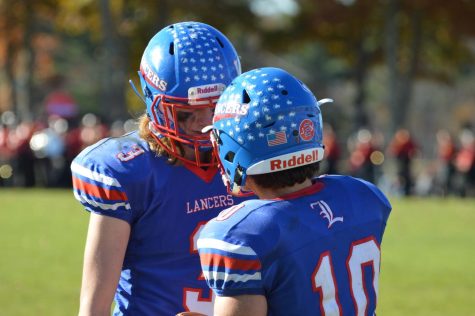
(364, 252)
(131, 154)
(193, 299)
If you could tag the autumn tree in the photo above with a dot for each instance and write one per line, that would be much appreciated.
(411, 38)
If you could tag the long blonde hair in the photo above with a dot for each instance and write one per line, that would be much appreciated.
(146, 134)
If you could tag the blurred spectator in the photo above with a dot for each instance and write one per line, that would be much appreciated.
(403, 148)
(332, 151)
(364, 156)
(446, 151)
(24, 162)
(92, 130)
(117, 129)
(7, 121)
(48, 147)
(39, 153)
(130, 125)
(465, 164)
(59, 102)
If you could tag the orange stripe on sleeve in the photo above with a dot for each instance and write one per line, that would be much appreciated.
(96, 191)
(210, 259)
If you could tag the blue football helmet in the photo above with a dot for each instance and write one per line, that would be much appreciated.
(265, 121)
(185, 67)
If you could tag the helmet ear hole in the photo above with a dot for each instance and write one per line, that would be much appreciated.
(238, 175)
(245, 97)
(219, 41)
(171, 49)
(229, 156)
(269, 125)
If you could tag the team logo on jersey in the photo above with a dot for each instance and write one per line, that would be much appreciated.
(326, 213)
(208, 203)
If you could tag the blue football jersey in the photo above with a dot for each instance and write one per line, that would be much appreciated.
(315, 252)
(166, 207)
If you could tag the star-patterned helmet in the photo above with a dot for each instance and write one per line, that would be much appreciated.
(266, 121)
(185, 66)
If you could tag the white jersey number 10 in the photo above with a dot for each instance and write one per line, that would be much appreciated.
(364, 252)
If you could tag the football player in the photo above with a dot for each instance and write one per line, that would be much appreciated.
(149, 192)
(309, 245)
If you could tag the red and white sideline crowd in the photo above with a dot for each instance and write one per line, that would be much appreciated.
(38, 154)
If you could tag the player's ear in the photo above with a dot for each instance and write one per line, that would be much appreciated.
(250, 184)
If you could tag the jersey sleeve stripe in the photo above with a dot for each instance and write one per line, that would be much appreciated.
(214, 276)
(215, 260)
(93, 175)
(103, 206)
(96, 191)
(225, 246)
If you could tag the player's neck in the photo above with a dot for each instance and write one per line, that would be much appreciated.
(269, 194)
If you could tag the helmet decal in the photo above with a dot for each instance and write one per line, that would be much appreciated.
(230, 108)
(204, 91)
(307, 130)
(151, 77)
(276, 138)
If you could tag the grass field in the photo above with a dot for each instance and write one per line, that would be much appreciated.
(428, 264)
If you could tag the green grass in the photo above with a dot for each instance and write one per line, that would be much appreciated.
(428, 264)
(428, 258)
(42, 234)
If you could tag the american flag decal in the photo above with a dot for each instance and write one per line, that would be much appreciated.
(277, 138)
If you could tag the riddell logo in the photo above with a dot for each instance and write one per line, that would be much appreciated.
(294, 161)
(207, 89)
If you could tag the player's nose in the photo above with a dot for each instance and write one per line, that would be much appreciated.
(204, 117)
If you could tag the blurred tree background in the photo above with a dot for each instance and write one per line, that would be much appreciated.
(387, 63)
